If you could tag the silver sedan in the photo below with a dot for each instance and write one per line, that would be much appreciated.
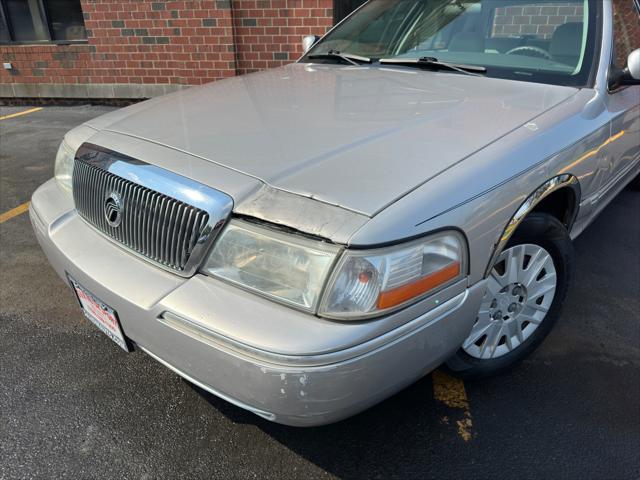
(304, 242)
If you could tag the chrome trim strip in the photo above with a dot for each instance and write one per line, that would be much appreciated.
(217, 393)
(216, 204)
(529, 204)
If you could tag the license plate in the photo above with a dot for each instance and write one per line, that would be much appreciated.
(100, 314)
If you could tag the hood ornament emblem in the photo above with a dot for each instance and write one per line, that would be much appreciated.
(113, 209)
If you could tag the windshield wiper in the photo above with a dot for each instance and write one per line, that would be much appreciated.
(431, 62)
(345, 57)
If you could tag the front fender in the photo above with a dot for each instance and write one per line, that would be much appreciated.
(543, 191)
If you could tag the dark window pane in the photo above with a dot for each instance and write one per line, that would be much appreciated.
(65, 18)
(27, 20)
(4, 29)
(342, 8)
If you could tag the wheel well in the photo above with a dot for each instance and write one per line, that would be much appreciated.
(562, 204)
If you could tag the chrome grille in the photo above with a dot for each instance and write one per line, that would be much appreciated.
(152, 224)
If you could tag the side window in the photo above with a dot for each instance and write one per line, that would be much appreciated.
(36, 21)
(626, 30)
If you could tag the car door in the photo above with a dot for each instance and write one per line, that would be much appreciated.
(623, 149)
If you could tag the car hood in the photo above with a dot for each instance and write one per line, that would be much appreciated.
(355, 137)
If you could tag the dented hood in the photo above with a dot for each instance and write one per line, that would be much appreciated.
(357, 137)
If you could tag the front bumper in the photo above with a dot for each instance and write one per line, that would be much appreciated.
(281, 364)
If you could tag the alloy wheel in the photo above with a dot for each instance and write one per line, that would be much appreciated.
(520, 291)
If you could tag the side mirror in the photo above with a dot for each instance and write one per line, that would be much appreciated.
(633, 64)
(630, 75)
(308, 42)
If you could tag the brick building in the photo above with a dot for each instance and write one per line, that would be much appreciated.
(129, 49)
(143, 48)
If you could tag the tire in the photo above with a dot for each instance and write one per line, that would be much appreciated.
(511, 335)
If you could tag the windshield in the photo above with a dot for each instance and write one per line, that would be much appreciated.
(533, 40)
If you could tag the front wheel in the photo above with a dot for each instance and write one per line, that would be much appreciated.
(525, 291)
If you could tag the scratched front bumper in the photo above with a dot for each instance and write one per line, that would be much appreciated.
(171, 319)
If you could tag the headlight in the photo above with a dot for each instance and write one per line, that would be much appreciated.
(371, 283)
(288, 268)
(294, 269)
(64, 166)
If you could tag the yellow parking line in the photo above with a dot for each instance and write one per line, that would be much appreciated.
(14, 212)
(17, 114)
(451, 392)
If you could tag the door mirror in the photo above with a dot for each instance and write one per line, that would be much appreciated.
(630, 75)
(308, 42)
(633, 64)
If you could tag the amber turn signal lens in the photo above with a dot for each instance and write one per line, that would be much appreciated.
(401, 294)
(378, 281)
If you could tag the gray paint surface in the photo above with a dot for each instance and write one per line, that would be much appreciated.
(357, 137)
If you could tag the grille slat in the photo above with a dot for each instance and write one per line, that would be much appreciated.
(94, 206)
(166, 232)
(90, 180)
(197, 226)
(126, 231)
(127, 218)
(156, 244)
(183, 233)
(154, 225)
(176, 225)
(138, 219)
(108, 188)
(147, 232)
(146, 200)
(102, 187)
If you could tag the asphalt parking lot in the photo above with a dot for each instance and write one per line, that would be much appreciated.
(73, 405)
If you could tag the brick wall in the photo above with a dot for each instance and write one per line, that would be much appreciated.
(269, 32)
(139, 48)
(535, 19)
